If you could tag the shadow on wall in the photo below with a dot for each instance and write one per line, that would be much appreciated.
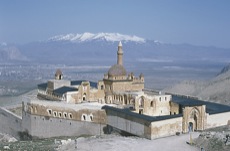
(111, 130)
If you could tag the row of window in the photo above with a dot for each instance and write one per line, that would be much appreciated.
(160, 99)
(59, 114)
(86, 117)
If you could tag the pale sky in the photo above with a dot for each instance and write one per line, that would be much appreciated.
(198, 22)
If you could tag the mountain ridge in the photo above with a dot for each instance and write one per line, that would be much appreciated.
(215, 89)
(113, 37)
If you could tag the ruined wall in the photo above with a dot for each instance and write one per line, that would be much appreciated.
(10, 123)
(215, 120)
(165, 128)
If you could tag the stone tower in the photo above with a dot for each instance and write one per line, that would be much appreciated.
(58, 75)
(120, 54)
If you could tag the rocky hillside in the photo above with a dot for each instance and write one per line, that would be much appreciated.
(214, 139)
(216, 89)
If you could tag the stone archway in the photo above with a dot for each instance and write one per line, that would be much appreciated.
(193, 120)
(190, 127)
(84, 97)
(193, 116)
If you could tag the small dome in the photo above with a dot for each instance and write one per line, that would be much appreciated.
(58, 72)
(117, 70)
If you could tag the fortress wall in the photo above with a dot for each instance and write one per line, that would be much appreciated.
(46, 127)
(143, 127)
(128, 123)
(10, 123)
(165, 128)
(215, 120)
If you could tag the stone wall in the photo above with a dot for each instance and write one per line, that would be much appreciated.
(174, 108)
(142, 125)
(166, 127)
(46, 127)
(215, 120)
(60, 112)
(157, 105)
(10, 123)
(128, 123)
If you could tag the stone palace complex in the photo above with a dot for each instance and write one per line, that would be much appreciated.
(117, 102)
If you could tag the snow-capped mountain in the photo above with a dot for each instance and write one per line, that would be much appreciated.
(112, 37)
(102, 47)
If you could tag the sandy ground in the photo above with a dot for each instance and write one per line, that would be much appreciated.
(119, 143)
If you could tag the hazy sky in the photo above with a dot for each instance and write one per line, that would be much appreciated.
(199, 22)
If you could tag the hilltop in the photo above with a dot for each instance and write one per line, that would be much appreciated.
(215, 89)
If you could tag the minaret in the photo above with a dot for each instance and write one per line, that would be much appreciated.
(120, 54)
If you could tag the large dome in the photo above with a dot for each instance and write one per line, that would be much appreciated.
(117, 70)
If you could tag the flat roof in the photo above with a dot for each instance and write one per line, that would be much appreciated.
(211, 107)
(141, 116)
(76, 107)
(63, 90)
(42, 86)
(78, 82)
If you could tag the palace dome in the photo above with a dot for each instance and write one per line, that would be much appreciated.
(117, 70)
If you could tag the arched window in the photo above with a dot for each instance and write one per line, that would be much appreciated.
(70, 116)
(49, 111)
(54, 113)
(141, 102)
(65, 115)
(151, 104)
(91, 117)
(59, 114)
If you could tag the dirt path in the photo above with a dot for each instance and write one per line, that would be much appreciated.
(118, 143)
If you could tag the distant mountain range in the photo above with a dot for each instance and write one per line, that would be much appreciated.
(102, 47)
(162, 64)
(112, 37)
